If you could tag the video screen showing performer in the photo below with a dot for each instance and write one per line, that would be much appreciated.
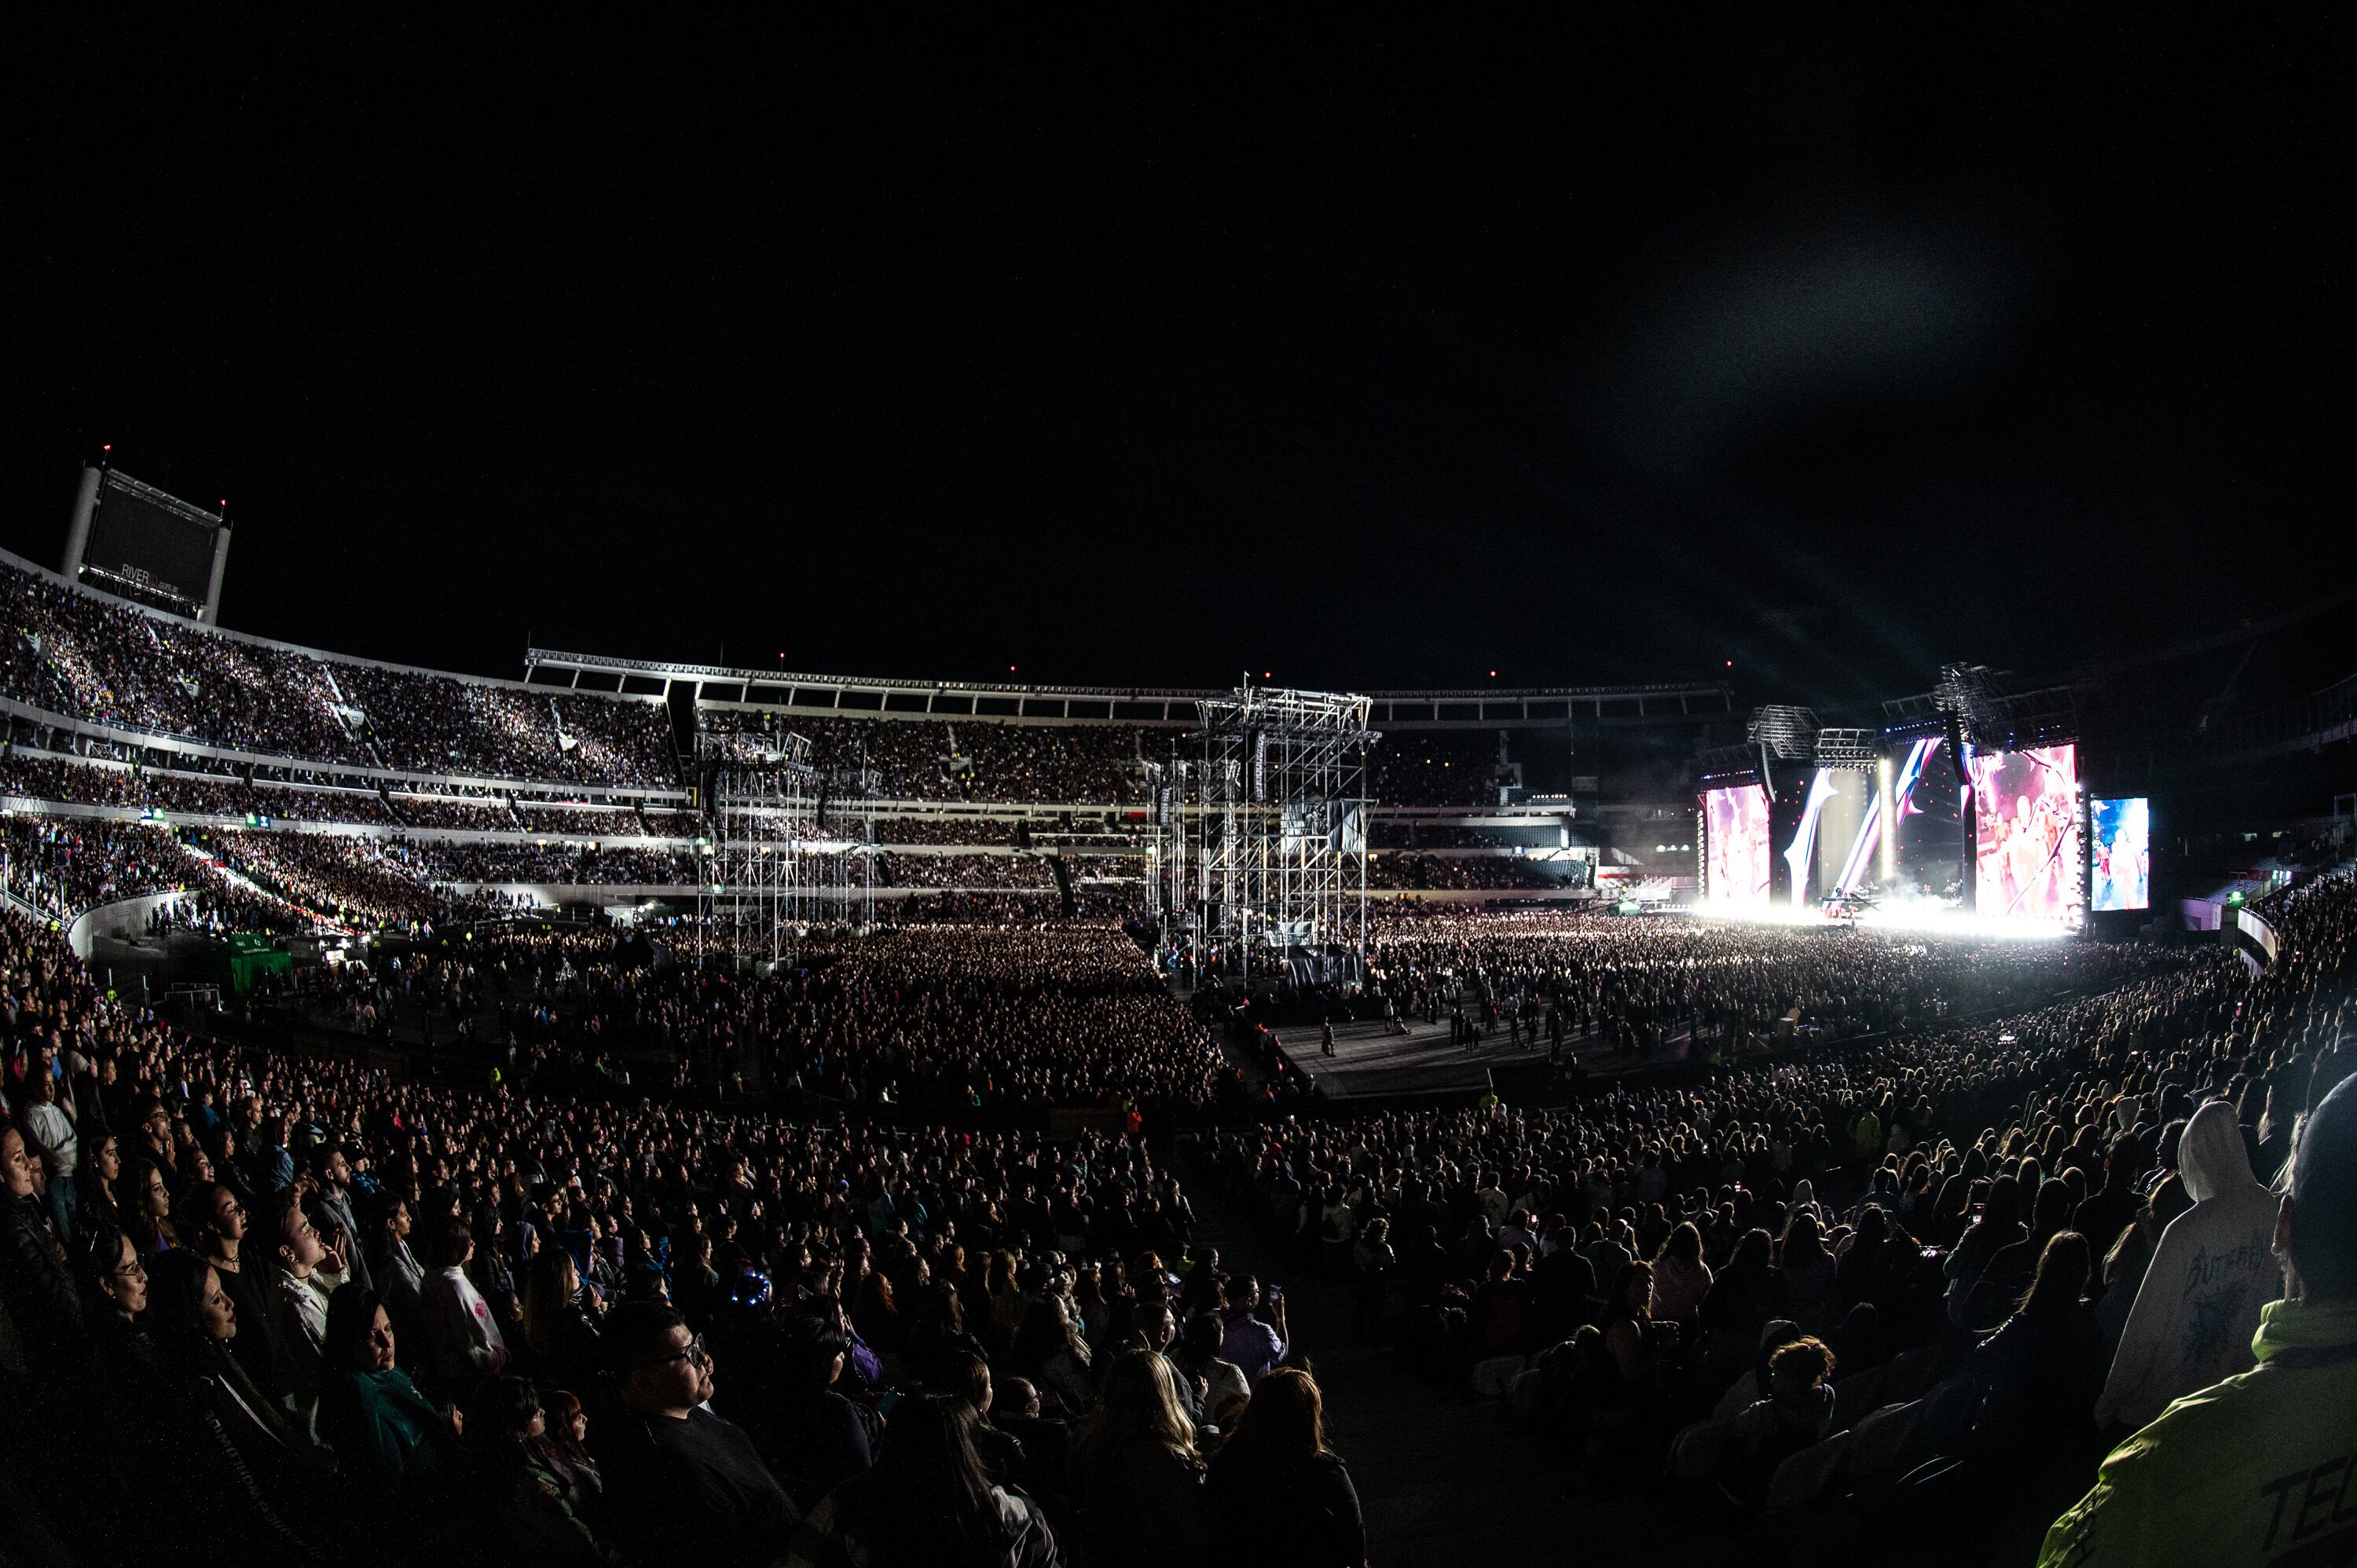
(1735, 839)
(2026, 848)
(2123, 852)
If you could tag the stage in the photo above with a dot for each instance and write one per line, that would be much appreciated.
(1370, 1060)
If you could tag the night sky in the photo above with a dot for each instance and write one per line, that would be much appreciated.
(1604, 350)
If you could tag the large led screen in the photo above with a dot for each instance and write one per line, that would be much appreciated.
(1735, 839)
(2123, 852)
(2026, 845)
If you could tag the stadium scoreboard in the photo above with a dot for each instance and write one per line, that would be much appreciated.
(137, 543)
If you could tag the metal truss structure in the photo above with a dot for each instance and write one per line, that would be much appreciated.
(1165, 845)
(1859, 749)
(1991, 713)
(788, 847)
(1283, 862)
(1787, 734)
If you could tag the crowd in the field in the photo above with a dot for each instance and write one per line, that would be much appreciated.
(1727, 1275)
(295, 1308)
(332, 1312)
(1729, 987)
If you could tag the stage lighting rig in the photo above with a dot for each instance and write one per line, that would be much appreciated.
(1859, 749)
(1991, 713)
(1789, 734)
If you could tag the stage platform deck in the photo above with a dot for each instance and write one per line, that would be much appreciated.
(1370, 1060)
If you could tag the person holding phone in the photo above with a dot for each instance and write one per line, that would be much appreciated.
(1253, 1345)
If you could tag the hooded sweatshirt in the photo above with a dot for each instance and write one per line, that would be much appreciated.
(2199, 1302)
(2261, 1469)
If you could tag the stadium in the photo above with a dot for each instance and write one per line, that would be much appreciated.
(1885, 1101)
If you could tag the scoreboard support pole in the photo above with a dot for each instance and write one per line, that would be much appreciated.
(77, 530)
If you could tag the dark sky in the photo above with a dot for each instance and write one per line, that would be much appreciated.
(1597, 350)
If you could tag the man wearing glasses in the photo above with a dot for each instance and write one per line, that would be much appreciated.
(687, 1483)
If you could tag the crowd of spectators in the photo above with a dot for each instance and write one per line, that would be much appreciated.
(1437, 767)
(548, 862)
(424, 723)
(322, 805)
(955, 1016)
(330, 1313)
(1727, 986)
(979, 760)
(62, 867)
(1976, 1204)
(593, 822)
(79, 655)
(44, 777)
(986, 830)
(87, 658)
(355, 881)
(1394, 869)
(489, 814)
(254, 1289)
(964, 871)
(73, 780)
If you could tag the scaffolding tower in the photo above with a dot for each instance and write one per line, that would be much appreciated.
(1282, 865)
(1166, 890)
(786, 846)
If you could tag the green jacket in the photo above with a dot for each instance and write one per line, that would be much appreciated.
(2259, 1469)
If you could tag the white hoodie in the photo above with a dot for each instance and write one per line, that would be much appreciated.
(465, 1339)
(2199, 1304)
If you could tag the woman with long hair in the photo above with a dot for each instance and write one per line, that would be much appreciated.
(235, 1446)
(1136, 1469)
(462, 1336)
(101, 1187)
(394, 1270)
(1681, 1279)
(147, 1205)
(536, 1507)
(2044, 1367)
(1277, 1494)
(564, 1445)
(2125, 1265)
(1743, 1299)
(1050, 1350)
(556, 1320)
(1997, 1225)
(1811, 1283)
(1636, 1342)
(384, 1431)
(214, 1218)
(929, 1501)
(43, 1297)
